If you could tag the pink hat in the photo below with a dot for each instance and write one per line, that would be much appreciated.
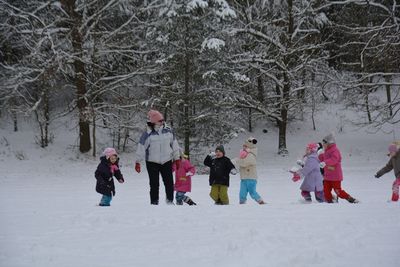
(313, 147)
(155, 116)
(109, 151)
(392, 148)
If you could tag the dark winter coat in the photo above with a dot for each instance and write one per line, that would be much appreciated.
(219, 169)
(105, 182)
(393, 164)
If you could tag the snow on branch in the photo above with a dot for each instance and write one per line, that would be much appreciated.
(213, 44)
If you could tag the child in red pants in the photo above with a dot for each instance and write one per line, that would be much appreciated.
(331, 160)
(393, 164)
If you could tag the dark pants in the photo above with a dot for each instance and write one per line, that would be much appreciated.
(154, 170)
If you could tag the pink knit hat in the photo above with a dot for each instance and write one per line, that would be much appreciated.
(155, 116)
(392, 148)
(109, 151)
(312, 147)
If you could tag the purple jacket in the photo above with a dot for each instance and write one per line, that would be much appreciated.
(312, 175)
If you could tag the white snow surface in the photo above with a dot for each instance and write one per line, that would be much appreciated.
(49, 215)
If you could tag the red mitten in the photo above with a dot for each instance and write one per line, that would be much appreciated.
(137, 167)
(296, 177)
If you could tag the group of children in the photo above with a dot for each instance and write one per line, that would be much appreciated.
(320, 171)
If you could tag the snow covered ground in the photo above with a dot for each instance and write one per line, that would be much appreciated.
(49, 215)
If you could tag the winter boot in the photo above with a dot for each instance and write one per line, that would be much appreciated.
(352, 200)
(261, 202)
(189, 201)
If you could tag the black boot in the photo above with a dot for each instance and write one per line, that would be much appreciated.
(352, 200)
(189, 201)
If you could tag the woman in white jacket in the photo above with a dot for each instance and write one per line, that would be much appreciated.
(247, 163)
(159, 148)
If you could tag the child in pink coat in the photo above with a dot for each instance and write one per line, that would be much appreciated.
(183, 180)
(331, 160)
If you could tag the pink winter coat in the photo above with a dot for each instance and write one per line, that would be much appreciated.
(183, 182)
(333, 161)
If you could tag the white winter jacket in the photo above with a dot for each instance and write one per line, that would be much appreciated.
(248, 165)
(158, 146)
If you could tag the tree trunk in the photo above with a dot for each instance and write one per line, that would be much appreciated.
(94, 134)
(186, 106)
(389, 95)
(366, 99)
(80, 75)
(250, 120)
(282, 149)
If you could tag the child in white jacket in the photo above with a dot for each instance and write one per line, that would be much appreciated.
(247, 163)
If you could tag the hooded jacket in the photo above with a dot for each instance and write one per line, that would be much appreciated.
(183, 182)
(333, 160)
(248, 165)
(104, 176)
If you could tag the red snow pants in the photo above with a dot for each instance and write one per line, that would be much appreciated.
(337, 186)
(395, 189)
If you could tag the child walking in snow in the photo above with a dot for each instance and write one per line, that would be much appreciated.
(247, 163)
(331, 160)
(183, 180)
(107, 168)
(220, 167)
(393, 164)
(312, 175)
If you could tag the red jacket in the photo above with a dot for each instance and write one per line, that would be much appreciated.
(333, 161)
(183, 182)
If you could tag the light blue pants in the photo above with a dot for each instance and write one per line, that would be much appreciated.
(105, 200)
(248, 186)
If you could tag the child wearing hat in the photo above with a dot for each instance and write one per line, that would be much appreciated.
(393, 164)
(331, 160)
(107, 168)
(247, 163)
(312, 175)
(183, 180)
(220, 168)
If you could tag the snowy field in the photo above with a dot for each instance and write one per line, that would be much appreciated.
(49, 215)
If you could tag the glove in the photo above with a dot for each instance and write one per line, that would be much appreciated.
(376, 176)
(189, 174)
(177, 164)
(212, 155)
(322, 165)
(137, 167)
(296, 177)
(121, 181)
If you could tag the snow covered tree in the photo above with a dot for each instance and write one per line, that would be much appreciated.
(279, 43)
(366, 42)
(187, 35)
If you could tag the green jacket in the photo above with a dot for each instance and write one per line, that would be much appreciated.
(393, 164)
